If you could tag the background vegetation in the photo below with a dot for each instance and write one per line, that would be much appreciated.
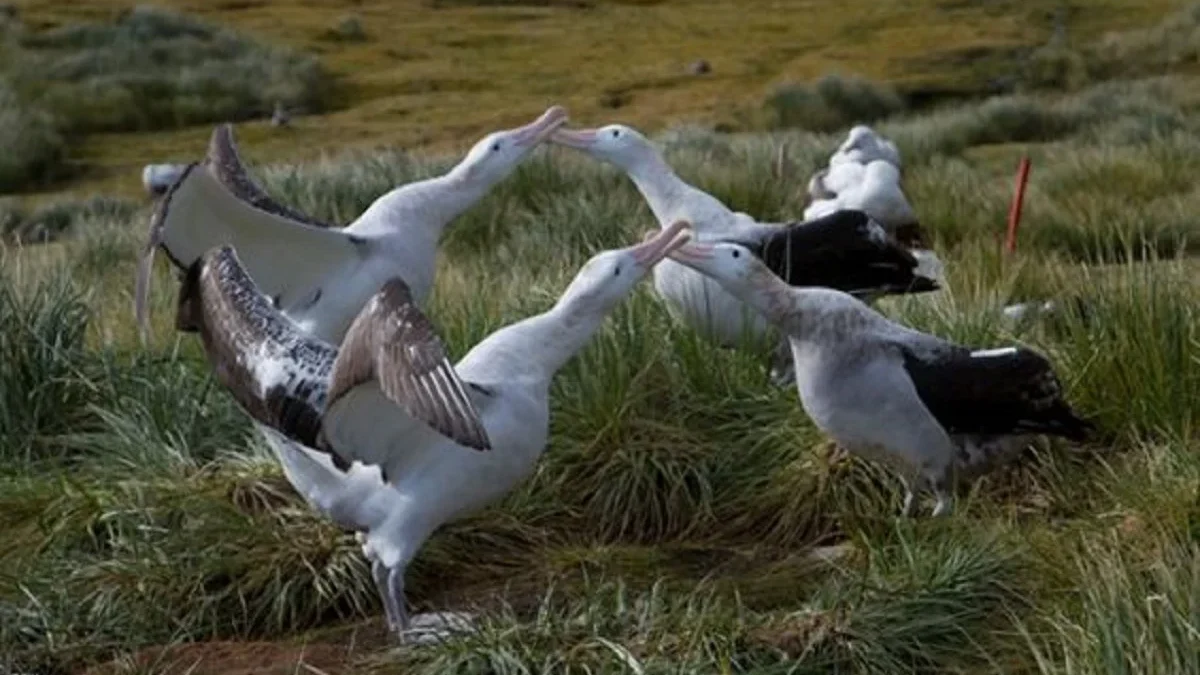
(686, 517)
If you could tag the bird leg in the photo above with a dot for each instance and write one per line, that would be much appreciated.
(395, 586)
(391, 595)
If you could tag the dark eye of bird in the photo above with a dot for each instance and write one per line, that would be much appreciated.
(737, 254)
(495, 147)
(617, 271)
(616, 132)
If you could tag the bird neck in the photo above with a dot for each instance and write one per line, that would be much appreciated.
(537, 347)
(422, 208)
(671, 198)
(658, 183)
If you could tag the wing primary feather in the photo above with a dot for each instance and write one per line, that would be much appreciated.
(392, 342)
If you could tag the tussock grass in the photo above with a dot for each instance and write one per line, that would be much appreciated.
(153, 68)
(686, 516)
(32, 142)
(831, 102)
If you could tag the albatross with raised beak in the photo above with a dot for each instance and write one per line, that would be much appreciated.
(929, 407)
(846, 250)
(317, 274)
(375, 434)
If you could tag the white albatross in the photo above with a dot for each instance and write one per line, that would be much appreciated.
(930, 408)
(864, 145)
(873, 188)
(845, 250)
(340, 418)
(317, 274)
(158, 178)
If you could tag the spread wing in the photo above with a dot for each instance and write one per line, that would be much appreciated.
(214, 202)
(392, 358)
(275, 372)
(844, 250)
(999, 391)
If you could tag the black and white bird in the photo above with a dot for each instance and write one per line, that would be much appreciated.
(931, 408)
(317, 274)
(845, 250)
(382, 434)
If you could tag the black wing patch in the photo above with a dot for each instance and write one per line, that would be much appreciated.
(845, 251)
(1011, 391)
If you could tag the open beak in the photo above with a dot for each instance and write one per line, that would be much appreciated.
(657, 246)
(540, 129)
(693, 253)
(580, 139)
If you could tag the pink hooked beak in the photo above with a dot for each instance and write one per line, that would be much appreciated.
(693, 252)
(538, 130)
(658, 245)
(580, 139)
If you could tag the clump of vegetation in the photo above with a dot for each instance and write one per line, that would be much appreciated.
(63, 218)
(832, 102)
(32, 145)
(154, 69)
(348, 29)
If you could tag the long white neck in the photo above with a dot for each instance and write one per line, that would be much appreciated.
(672, 198)
(422, 209)
(820, 315)
(533, 349)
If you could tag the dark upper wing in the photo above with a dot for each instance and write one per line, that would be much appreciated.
(214, 202)
(844, 250)
(1002, 391)
(275, 372)
(392, 344)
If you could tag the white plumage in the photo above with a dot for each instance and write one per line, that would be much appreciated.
(320, 275)
(341, 431)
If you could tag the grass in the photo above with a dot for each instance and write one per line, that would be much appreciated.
(146, 69)
(414, 84)
(686, 516)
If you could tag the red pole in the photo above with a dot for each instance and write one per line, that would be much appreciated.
(1014, 211)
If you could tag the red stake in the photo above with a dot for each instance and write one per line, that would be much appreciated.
(1014, 211)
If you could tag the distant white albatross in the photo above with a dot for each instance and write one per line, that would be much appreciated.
(317, 274)
(844, 250)
(929, 407)
(357, 427)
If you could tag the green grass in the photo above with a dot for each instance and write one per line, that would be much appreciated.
(147, 69)
(687, 517)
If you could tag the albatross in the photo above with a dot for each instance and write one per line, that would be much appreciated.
(845, 249)
(932, 409)
(361, 429)
(317, 274)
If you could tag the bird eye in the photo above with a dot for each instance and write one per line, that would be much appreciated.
(617, 271)
(737, 254)
(616, 133)
(495, 147)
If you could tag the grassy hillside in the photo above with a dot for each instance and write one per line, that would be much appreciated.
(436, 73)
(687, 517)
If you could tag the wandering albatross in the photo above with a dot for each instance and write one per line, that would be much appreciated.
(320, 275)
(929, 407)
(845, 250)
(343, 443)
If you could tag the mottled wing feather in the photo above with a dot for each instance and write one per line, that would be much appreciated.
(845, 251)
(391, 341)
(1003, 392)
(277, 374)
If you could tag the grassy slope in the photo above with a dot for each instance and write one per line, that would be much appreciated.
(439, 77)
